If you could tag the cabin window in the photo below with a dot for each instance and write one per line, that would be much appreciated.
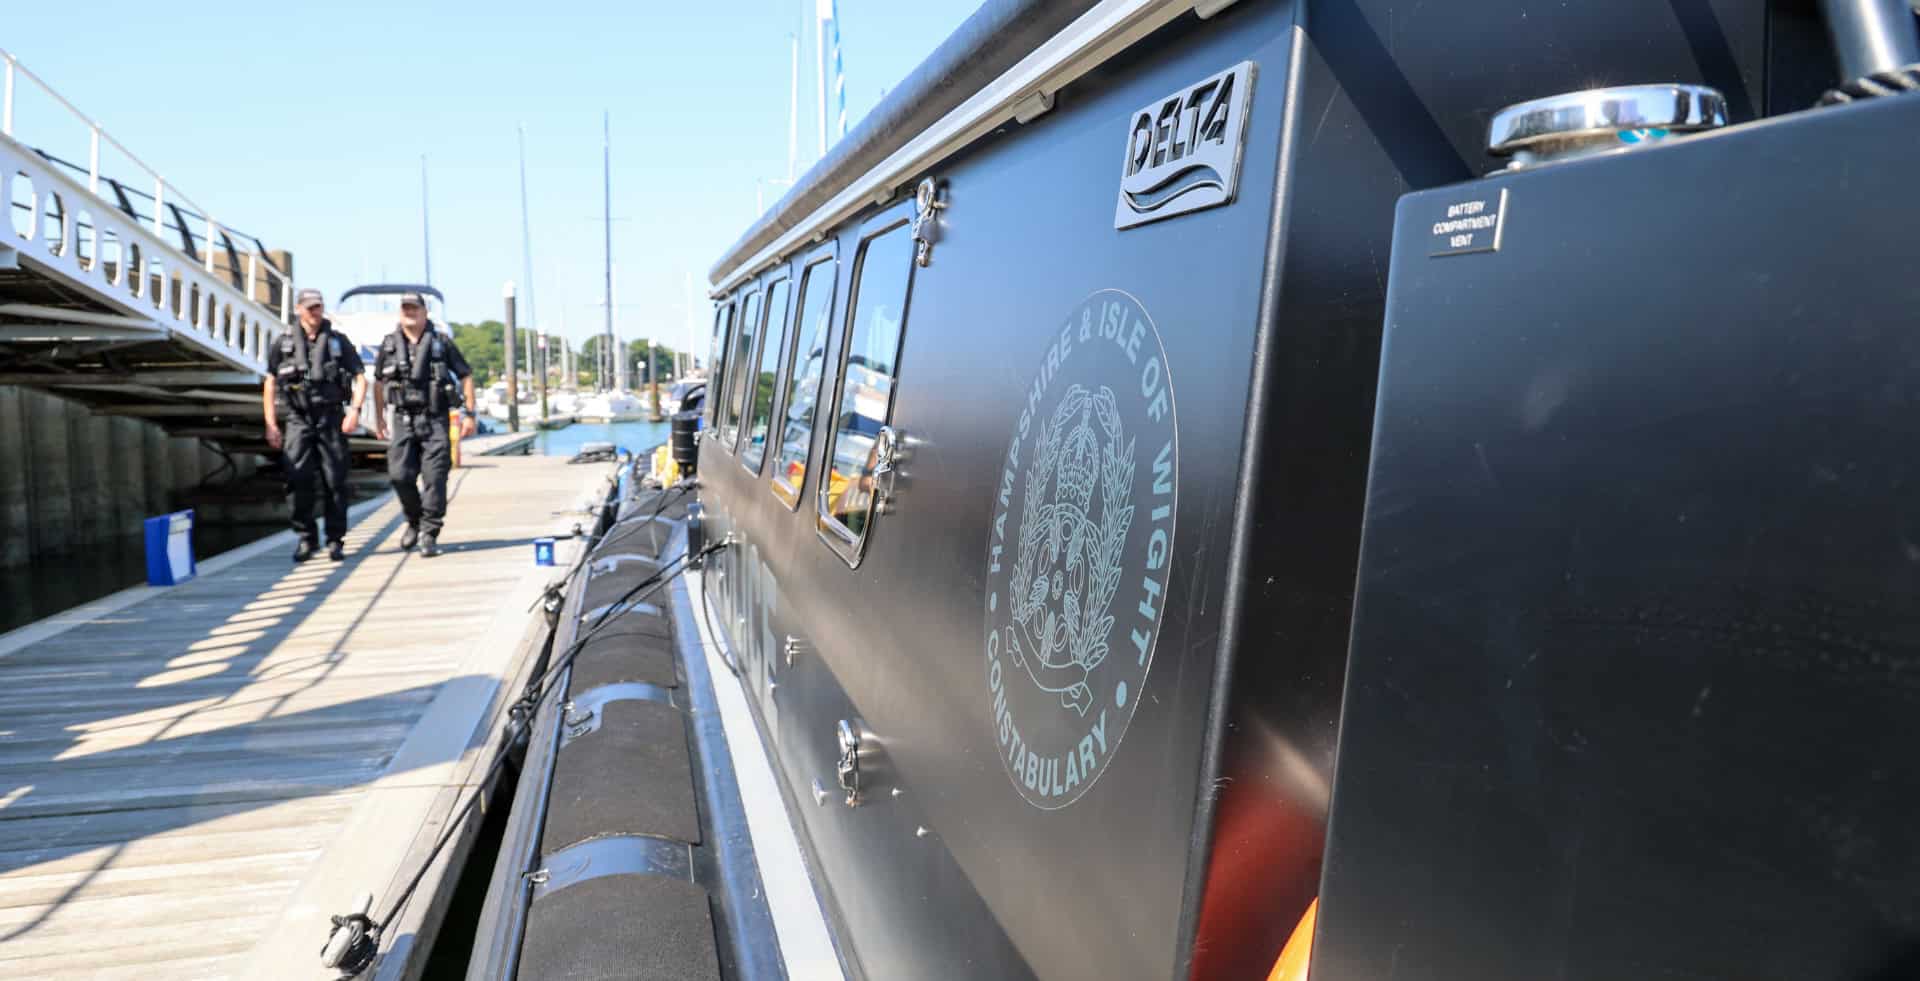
(869, 367)
(716, 365)
(759, 418)
(808, 366)
(739, 367)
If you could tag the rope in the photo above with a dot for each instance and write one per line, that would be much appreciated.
(519, 716)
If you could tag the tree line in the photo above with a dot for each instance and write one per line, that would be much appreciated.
(485, 347)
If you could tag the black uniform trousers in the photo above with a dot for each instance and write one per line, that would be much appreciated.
(316, 456)
(421, 450)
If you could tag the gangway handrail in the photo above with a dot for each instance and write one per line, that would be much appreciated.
(11, 69)
(227, 231)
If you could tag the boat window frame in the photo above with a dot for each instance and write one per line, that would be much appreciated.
(851, 547)
(717, 371)
(746, 297)
(778, 275)
(828, 253)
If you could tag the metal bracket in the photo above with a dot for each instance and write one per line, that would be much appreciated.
(632, 607)
(608, 563)
(584, 713)
(791, 647)
(614, 855)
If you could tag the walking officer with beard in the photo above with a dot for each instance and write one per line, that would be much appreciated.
(416, 369)
(311, 373)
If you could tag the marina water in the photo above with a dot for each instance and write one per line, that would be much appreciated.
(48, 586)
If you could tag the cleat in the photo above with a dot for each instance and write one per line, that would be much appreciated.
(304, 549)
(429, 547)
(409, 538)
(337, 552)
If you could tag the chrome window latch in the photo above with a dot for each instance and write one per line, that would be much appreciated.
(927, 204)
(886, 461)
(849, 766)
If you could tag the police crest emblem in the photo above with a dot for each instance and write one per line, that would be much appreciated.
(1078, 555)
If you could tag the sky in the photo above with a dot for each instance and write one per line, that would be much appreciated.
(304, 124)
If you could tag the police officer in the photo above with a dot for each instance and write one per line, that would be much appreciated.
(311, 371)
(416, 369)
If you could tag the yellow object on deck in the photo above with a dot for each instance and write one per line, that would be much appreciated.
(1292, 965)
(453, 429)
(665, 471)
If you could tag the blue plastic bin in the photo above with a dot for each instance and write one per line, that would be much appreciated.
(170, 548)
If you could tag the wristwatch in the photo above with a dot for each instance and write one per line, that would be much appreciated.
(466, 413)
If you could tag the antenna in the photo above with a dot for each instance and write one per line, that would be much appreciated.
(426, 243)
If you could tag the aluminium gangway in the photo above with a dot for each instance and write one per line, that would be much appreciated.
(129, 298)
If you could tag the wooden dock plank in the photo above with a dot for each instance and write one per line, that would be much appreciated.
(188, 777)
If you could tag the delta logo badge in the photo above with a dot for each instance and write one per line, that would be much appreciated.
(1183, 151)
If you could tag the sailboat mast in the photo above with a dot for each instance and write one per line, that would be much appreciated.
(526, 262)
(526, 232)
(426, 242)
(606, 164)
(793, 112)
(820, 68)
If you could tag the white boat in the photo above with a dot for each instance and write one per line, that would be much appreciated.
(367, 314)
(615, 406)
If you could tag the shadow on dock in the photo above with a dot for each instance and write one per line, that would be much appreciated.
(227, 695)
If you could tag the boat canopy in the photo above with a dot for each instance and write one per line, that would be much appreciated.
(385, 289)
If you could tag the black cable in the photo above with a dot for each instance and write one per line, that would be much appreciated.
(706, 616)
(536, 690)
(580, 562)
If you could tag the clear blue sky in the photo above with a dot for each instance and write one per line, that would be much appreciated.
(304, 124)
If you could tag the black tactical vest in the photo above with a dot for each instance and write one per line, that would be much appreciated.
(310, 376)
(423, 385)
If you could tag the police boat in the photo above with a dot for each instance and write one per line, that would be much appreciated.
(1237, 490)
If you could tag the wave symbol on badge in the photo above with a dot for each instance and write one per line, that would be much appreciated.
(1073, 531)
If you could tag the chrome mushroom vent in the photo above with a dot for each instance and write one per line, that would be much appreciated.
(1579, 123)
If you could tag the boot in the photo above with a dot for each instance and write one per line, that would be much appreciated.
(429, 546)
(337, 551)
(409, 538)
(304, 549)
